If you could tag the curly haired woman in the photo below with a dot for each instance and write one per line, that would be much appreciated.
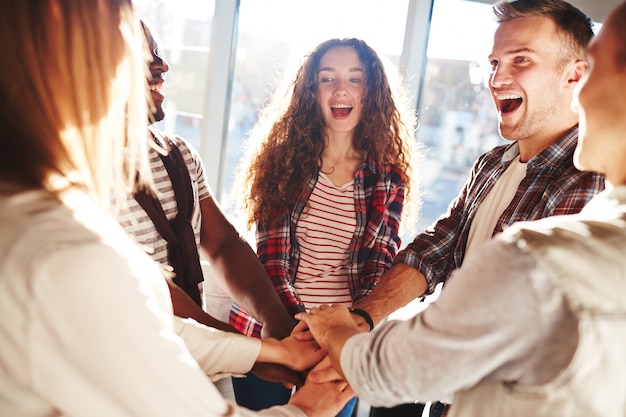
(327, 185)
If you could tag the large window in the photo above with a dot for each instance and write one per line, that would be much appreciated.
(184, 28)
(458, 121)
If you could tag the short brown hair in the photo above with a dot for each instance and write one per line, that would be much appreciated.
(576, 27)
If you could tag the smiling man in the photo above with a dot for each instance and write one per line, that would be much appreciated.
(236, 265)
(537, 59)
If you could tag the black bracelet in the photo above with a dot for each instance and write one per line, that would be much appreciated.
(365, 316)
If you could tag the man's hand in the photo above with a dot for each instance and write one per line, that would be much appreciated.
(279, 373)
(301, 355)
(331, 327)
(277, 330)
(329, 324)
(325, 372)
(325, 399)
(360, 322)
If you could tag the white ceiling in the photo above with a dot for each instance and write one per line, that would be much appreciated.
(596, 9)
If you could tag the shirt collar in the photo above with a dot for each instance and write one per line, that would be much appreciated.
(551, 156)
(370, 164)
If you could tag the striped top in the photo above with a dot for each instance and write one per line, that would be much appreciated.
(324, 233)
(136, 222)
(378, 200)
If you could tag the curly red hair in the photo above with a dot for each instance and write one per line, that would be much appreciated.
(290, 153)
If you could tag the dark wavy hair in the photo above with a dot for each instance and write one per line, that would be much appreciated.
(292, 140)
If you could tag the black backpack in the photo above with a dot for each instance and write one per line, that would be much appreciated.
(182, 251)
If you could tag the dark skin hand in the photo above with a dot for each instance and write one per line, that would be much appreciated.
(273, 372)
(185, 307)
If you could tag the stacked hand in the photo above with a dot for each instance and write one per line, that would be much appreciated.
(287, 360)
(330, 327)
(311, 354)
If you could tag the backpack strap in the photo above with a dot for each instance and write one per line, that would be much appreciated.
(182, 251)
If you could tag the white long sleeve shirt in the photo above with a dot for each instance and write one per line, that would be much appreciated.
(530, 325)
(86, 323)
(485, 324)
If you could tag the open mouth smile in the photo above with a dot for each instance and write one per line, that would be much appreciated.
(341, 110)
(509, 103)
(156, 84)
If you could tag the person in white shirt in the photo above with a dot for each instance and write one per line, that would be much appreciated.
(86, 326)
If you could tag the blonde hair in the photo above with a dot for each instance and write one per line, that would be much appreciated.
(74, 96)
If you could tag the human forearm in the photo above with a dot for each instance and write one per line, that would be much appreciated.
(219, 353)
(240, 273)
(245, 280)
(472, 331)
(185, 307)
(400, 285)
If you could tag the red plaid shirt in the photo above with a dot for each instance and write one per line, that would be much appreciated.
(552, 186)
(378, 200)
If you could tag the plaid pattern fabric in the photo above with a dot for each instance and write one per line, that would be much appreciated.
(552, 186)
(378, 200)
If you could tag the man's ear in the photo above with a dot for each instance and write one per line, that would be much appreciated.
(576, 72)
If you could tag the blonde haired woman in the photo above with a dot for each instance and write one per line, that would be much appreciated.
(86, 324)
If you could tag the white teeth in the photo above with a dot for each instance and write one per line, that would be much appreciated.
(341, 106)
(507, 97)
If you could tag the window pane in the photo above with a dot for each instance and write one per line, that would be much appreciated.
(184, 29)
(457, 119)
